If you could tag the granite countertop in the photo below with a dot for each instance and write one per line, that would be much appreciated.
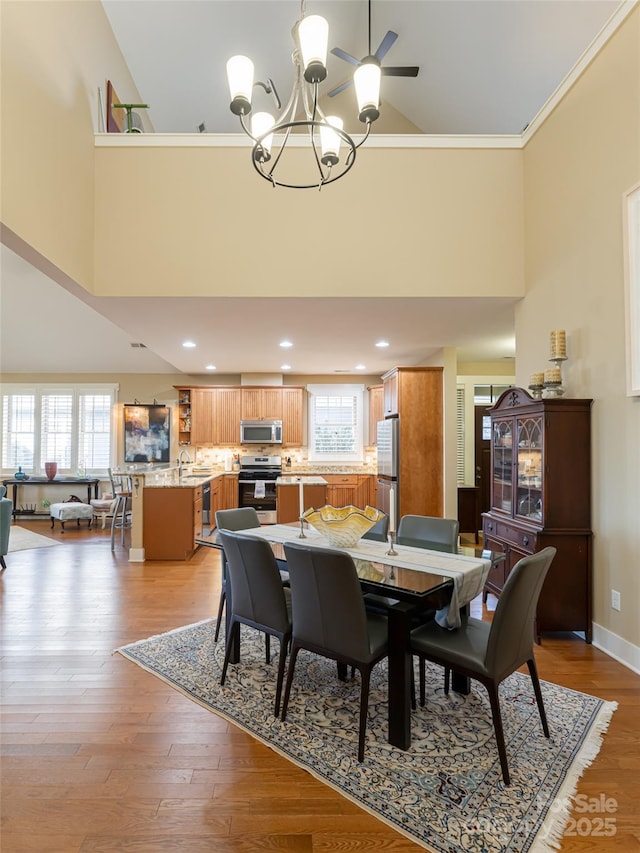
(306, 480)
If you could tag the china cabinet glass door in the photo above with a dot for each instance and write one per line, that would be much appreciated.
(529, 494)
(502, 491)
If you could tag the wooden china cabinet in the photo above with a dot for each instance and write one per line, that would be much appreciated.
(540, 496)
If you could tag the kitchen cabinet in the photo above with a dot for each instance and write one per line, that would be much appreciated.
(349, 489)
(292, 413)
(259, 404)
(203, 416)
(172, 519)
(390, 393)
(288, 500)
(227, 416)
(415, 396)
(376, 411)
(229, 491)
(540, 496)
(212, 414)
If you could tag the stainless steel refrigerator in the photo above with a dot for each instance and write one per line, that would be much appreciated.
(388, 484)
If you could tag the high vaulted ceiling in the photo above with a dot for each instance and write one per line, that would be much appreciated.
(486, 66)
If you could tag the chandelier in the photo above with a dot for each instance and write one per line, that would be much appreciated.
(332, 150)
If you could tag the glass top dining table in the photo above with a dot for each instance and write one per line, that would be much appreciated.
(406, 582)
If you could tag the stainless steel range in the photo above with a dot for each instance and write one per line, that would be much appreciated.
(257, 485)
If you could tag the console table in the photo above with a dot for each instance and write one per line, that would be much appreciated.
(89, 482)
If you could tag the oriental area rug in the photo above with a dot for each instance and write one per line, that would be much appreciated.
(446, 792)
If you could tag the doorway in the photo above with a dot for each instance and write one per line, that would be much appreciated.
(482, 457)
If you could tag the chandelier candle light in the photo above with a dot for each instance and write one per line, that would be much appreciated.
(302, 112)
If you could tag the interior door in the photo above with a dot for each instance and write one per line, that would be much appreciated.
(482, 457)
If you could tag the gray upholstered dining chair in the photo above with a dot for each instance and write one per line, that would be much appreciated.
(258, 598)
(231, 519)
(330, 620)
(379, 531)
(241, 518)
(425, 531)
(491, 651)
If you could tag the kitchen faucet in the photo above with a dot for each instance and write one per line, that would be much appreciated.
(181, 460)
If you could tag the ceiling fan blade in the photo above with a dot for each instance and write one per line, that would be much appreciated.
(401, 71)
(340, 88)
(385, 45)
(342, 54)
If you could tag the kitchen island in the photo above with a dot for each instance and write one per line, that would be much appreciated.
(296, 494)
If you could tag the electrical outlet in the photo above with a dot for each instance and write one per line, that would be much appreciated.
(615, 599)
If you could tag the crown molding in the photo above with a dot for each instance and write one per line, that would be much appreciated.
(240, 140)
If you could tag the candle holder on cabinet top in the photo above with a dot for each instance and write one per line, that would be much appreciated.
(302, 534)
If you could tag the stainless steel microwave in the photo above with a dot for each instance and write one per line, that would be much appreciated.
(260, 432)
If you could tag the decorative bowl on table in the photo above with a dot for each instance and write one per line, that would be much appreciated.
(343, 526)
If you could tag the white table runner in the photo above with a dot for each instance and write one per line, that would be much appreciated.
(467, 573)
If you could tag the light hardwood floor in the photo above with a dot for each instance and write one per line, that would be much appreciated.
(100, 756)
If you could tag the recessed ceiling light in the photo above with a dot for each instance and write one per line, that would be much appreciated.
(188, 344)
(285, 344)
(382, 343)
(360, 367)
(210, 367)
(285, 367)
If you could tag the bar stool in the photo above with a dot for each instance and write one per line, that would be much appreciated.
(121, 491)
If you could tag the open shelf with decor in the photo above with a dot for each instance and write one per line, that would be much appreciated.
(184, 416)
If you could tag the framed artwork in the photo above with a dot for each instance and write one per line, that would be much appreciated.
(631, 219)
(147, 433)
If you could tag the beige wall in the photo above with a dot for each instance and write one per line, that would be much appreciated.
(196, 225)
(576, 169)
(54, 57)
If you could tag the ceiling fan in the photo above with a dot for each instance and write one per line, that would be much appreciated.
(378, 56)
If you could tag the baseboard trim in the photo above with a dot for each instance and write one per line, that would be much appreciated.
(136, 555)
(616, 647)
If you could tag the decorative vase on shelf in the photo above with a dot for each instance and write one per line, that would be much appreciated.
(19, 475)
(51, 469)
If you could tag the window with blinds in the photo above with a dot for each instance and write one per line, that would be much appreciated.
(71, 426)
(335, 422)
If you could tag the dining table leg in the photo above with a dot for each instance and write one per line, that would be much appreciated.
(400, 663)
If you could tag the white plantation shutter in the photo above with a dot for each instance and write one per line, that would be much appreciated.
(460, 448)
(18, 430)
(335, 422)
(71, 425)
(94, 430)
(56, 426)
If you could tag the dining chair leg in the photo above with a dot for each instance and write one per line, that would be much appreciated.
(365, 677)
(287, 689)
(234, 635)
(423, 680)
(533, 672)
(284, 643)
(498, 730)
(223, 598)
(447, 680)
(267, 648)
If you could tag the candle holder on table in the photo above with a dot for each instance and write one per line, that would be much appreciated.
(391, 552)
(302, 534)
